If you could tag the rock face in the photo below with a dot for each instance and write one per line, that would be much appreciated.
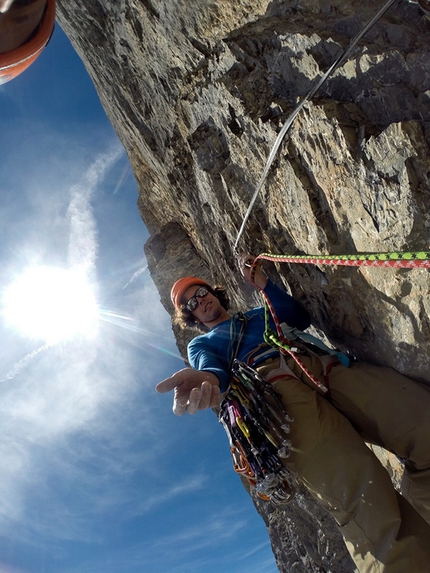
(198, 91)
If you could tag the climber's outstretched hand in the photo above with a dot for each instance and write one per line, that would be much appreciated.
(194, 390)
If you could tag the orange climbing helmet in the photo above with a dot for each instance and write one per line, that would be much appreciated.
(16, 61)
(181, 286)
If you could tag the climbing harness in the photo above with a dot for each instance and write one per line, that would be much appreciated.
(309, 340)
(257, 427)
(287, 125)
(254, 418)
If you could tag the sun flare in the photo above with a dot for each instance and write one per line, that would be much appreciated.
(51, 304)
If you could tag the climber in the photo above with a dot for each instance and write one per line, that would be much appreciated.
(26, 27)
(384, 531)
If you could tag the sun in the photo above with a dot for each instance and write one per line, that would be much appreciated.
(51, 304)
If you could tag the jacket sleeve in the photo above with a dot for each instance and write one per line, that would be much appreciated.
(204, 356)
(287, 308)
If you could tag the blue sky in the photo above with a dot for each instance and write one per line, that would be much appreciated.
(96, 473)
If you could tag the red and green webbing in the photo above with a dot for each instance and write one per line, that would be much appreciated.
(278, 340)
(412, 260)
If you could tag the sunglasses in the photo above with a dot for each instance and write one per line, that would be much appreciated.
(192, 303)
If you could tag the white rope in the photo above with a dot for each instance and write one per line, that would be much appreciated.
(296, 111)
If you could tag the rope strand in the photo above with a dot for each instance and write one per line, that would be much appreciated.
(277, 339)
(409, 260)
(287, 125)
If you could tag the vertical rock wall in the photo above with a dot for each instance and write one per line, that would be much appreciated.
(198, 91)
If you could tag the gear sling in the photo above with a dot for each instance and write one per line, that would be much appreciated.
(257, 427)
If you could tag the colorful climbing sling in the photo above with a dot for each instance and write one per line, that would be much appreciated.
(405, 260)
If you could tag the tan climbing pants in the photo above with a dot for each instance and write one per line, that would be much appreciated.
(382, 531)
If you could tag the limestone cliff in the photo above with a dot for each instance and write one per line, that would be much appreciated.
(197, 92)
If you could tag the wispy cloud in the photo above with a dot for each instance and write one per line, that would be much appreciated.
(135, 276)
(82, 233)
(214, 528)
(212, 542)
(21, 364)
(8, 569)
(83, 229)
(191, 485)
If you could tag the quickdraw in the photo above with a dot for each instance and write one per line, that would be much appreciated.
(257, 427)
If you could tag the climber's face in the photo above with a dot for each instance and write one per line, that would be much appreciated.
(205, 306)
(18, 20)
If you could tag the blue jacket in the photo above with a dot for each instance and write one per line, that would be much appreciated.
(211, 352)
